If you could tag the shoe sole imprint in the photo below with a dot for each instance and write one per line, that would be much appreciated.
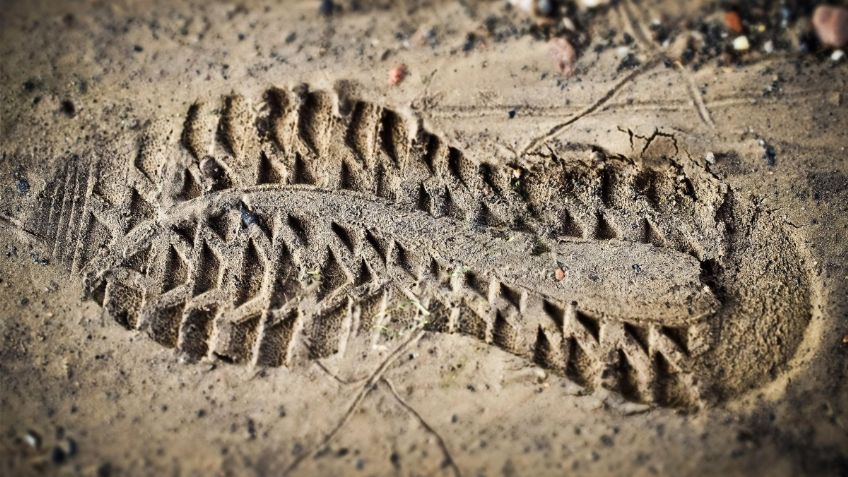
(310, 220)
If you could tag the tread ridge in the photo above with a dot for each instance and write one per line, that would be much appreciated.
(218, 271)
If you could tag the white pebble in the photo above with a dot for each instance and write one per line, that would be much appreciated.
(741, 43)
(837, 55)
(768, 46)
(526, 5)
(32, 439)
(710, 157)
(592, 3)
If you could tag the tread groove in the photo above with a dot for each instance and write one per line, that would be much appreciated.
(451, 244)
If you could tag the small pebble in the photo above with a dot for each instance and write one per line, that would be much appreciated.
(768, 46)
(837, 55)
(831, 24)
(33, 439)
(733, 21)
(769, 154)
(23, 185)
(546, 8)
(592, 3)
(564, 56)
(524, 5)
(711, 158)
(560, 274)
(397, 74)
(741, 43)
(326, 7)
(248, 218)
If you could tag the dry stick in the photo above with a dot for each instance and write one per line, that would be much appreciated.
(331, 374)
(695, 94)
(338, 378)
(539, 141)
(428, 427)
(557, 111)
(17, 227)
(635, 26)
(366, 388)
(691, 87)
(462, 110)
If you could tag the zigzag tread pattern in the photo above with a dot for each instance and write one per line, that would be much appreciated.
(287, 228)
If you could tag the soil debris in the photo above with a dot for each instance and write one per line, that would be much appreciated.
(769, 154)
(768, 27)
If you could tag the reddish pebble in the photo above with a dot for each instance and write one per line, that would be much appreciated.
(733, 21)
(831, 24)
(564, 55)
(397, 74)
(560, 274)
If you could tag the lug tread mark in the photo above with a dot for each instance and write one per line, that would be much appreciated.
(270, 282)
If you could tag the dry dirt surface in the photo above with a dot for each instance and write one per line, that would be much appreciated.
(421, 238)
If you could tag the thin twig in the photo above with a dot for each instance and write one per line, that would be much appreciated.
(643, 38)
(695, 94)
(366, 388)
(541, 140)
(338, 378)
(448, 458)
(16, 226)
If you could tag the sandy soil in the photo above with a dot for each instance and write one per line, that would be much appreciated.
(241, 239)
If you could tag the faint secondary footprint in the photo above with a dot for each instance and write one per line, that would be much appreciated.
(284, 229)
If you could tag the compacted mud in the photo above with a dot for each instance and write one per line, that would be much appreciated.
(233, 247)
